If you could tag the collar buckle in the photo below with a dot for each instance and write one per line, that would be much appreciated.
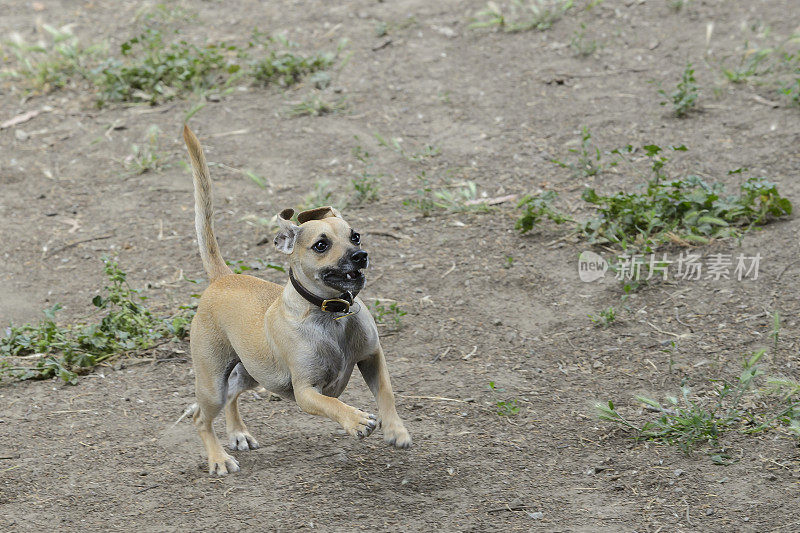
(335, 305)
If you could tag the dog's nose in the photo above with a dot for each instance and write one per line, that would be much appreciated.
(360, 258)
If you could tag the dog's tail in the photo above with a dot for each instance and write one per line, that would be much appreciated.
(204, 210)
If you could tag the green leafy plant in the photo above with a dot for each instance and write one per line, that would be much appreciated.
(238, 266)
(153, 71)
(605, 317)
(147, 157)
(581, 45)
(589, 161)
(684, 98)
(390, 314)
(686, 209)
(537, 207)
(504, 407)
(689, 421)
(126, 326)
(396, 144)
(284, 67)
(315, 105)
(423, 199)
(460, 198)
(52, 63)
(752, 62)
(519, 15)
(366, 183)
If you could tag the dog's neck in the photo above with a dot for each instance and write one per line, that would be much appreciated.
(330, 302)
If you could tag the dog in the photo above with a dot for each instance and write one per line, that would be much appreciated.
(299, 341)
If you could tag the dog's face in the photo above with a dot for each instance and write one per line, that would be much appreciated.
(324, 248)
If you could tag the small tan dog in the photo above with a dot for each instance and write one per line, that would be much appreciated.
(300, 341)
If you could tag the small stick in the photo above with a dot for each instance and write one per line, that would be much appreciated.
(450, 269)
(439, 398)
(76, 243)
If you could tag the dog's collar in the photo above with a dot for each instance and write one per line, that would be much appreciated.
(341, 304)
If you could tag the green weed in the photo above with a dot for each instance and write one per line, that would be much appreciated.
(153, 71)
(315, 105)
(321, 195)
(688, 209)
(238, 266)
(127, 326)
(752, 62)
(146, 157)
(537, 207)
(504, 407)
(52, 63)
(605, 317)
(423, 199)
(396, 144)
(519, 15)
(285, 67)
(581, 45)
(589, 160)
(684, 98)
(366, 183)
(389, 315)
(690, 421)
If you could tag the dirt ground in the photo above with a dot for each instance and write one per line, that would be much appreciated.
(104, 455)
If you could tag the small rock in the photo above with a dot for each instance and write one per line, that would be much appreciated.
(678, 472)
(21, 135)
(536, 515)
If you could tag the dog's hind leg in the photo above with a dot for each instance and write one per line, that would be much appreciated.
(213, 362)
(239, 438)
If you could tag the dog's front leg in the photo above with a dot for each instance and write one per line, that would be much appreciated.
(356, 422)
(377, 377)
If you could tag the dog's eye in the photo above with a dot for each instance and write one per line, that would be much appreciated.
(320, 246)
(355, 238)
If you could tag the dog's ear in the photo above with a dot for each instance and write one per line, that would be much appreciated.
(287, 235)
(318, 214)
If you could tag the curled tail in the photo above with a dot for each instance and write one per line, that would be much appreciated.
(204, 210)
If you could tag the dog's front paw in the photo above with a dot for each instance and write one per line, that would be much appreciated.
(360, 424)
(397, 435)
(222, 465)
(242, 440)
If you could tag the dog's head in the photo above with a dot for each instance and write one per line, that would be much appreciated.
(324, 248)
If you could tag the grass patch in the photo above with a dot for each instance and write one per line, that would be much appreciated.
(690, 420)
(684, 210)
(366, 183)
(284, 66)
(388, 314)
(53, 62)
(315, 106)
(153, 71)
(684, 97)
(604, 318)
(507, 407)
(588, 161)
(537, 207)
(126, 326)
(519, 15)
(146, 157)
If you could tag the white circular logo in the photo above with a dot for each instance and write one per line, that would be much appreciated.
(591, 266)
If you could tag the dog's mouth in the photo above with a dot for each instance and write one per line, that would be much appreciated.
(344, 280)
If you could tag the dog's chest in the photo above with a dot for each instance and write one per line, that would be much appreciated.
(339, 345)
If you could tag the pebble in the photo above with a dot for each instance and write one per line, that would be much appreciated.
(536, 515)
(21, 135)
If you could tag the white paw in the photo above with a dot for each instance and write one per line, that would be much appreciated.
(397, 435)
(222, 466)
(241, 440)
